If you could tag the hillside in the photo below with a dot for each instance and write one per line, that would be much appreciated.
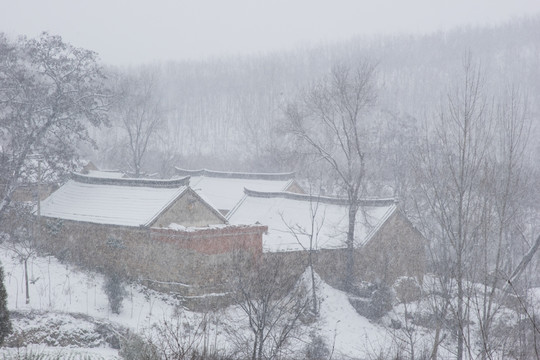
(68, 308)
(68, 316)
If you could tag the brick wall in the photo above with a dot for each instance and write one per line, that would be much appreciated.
(189, 262)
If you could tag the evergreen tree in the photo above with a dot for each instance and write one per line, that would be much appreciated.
(5, 323)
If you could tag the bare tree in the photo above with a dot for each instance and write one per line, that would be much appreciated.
(49, 88)
(20, 239)
(312, 234)
(473, 181)
(331, 119)
(452, 169)
(268, 294)
(140, 113)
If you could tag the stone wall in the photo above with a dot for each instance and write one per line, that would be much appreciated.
(188, 262)
(214, 240)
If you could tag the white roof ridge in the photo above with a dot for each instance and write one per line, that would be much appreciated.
(323, 199)
(131, 182)
(236, 175)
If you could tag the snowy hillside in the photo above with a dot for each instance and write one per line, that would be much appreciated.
(62, 295)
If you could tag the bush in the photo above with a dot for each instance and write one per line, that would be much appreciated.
(135, 347)
(115, 291)
(316, 349)
(379, 302)
(382, 301)
(407, 289)
(5, 322)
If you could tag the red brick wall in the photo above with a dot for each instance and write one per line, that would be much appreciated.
(214, 240)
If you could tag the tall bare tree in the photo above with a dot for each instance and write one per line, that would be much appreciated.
(331, 119)
(453, 168)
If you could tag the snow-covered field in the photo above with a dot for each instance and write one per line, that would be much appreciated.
(61, 291)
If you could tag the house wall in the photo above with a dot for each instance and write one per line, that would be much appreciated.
(214, 240)
(198, 262)
(28, 193)
(397, 249)
(295, 188)
(163, 259)
(188, 211)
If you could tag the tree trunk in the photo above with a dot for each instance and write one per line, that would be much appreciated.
(254, 353)
(26, 281)
(461, 325)
(349, 271)
(313, 290)
(261, 342)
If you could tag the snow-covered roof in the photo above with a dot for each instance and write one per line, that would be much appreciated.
(235, 175)
(224, 190)
(127, 202)
(287, 214)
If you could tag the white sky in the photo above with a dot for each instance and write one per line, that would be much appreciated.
(137, 31)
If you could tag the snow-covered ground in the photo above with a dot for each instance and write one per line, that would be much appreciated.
(67, 305)
(58, 289)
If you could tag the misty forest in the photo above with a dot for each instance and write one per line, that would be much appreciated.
(377, 198)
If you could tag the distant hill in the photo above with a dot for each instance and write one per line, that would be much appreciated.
(229, 108)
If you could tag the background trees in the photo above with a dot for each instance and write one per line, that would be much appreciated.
(140, 113)
(50, 92)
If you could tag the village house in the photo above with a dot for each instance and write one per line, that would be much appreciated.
(225, 189)
(387, 245)
(167, 235)
(157, 231)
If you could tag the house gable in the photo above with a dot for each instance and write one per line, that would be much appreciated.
(396, 249)
(189, 210)
(294, 187)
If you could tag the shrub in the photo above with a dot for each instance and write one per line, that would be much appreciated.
(5, 322)
(115, 291)
(316, 349)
